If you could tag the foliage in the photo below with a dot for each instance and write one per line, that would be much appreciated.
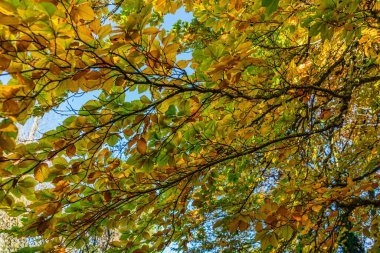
(266, 140)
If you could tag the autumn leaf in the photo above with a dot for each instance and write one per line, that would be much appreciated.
(7, 8)
(71, 150)
(141, 146)
(262, 118)
(8, 127)
(41, 172)
(107, 196)
(6, 142)
(59, 144)
(151, 30)
(316, 208)
(128, 132)
(83, 11)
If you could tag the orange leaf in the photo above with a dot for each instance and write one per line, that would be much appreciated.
(128, 132)
(316, 208)
(297, 217)
(325, 114)
(182, 64)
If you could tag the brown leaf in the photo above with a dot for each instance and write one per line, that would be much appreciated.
(71, 150)
(59, 144)
(259, 227)
(60, 186)
(233, 225)
(141, 146)
(128, 132)
(119, 81)
(75, 168)
(243, 225)
(107, 195)
(42, 227)
(11, 106)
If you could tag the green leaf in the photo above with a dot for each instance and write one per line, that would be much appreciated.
(171, 111)
(142, 88)
(29, 250)
(49, 7)
(271, 5)
(148, 165)
(112, 140)
(27, 182)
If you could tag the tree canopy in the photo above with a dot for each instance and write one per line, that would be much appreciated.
(266, 139)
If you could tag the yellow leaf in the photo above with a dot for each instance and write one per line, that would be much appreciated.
(104, 31)
(84, 11)
(159, 5)
(8, 20)
(316, 208)
(60, 186)
(7, 8)
(182, 64)
(151, 30)
(41, 172)
(9, 128)
(171, 48)
(141, 146)
(305, 219)
(273, 240)
(177, 138)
